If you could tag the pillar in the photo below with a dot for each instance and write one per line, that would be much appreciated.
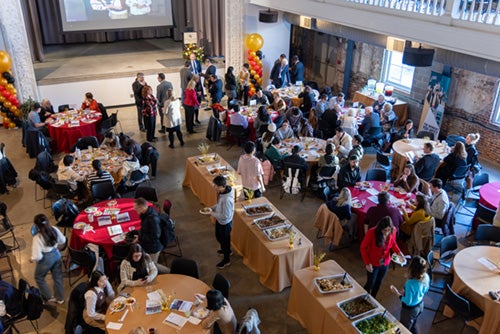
(233, 29)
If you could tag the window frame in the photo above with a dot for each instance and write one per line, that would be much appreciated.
(387, 62)
(495, 115)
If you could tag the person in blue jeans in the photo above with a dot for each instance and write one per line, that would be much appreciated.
(223, 213)
(45, 253)
(412, 296)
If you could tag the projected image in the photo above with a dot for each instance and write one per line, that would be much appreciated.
(113, 14)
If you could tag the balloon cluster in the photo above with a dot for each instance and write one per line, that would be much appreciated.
(254, 43)
(8, 100)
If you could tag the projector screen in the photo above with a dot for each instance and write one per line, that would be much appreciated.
(81, 15)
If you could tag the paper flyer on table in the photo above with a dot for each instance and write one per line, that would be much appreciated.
(118, 238)
(153, 306)
(114, 230)
(181, 305)
(175, 319)
(114, 325)
(122, 217)
(488, 263)
(155, 295)
(372, 191)
(104, 220)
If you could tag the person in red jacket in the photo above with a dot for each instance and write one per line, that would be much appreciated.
(376, 253)
(191, 104)
(90, 103)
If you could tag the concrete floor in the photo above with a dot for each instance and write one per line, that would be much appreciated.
(197, 237)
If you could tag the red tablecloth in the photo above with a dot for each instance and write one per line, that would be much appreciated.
(66, 136)
(489, 195)
(363, 195)
(100, 236)
(252, 135)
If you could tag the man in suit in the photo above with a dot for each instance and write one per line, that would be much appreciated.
(194, 64)
(185, 74)
(275, 71)
(137, 86)
(215, 88)
(211, 70)
(296, 70)
(161, 96)
(427, 164)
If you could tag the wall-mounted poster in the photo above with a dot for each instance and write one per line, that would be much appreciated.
(434, 103)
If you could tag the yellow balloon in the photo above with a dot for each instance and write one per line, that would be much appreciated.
(252, 54)
(259, 80)
(256, 77)
(13, 108)
(12, 125)
(252, 90)
(254, 42)
(252, 73)
(5, 61)
(13, 91)
(4, 82)
(7, 104)
(2, 98)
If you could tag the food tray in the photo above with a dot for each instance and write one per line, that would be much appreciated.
(260, 209)
(365, 299)
(118, 304)
(277, 233)
(214, 170)
(207, 159)
(380, 315)
(269, 221)
(334, 278)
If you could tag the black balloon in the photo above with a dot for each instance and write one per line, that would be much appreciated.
(259, 54)
(11, 80)
(253, 81)
(6, 75)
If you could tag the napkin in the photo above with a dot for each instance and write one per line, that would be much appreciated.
(114, 325)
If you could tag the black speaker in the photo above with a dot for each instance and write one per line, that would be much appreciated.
(268, 16)
(418, 57)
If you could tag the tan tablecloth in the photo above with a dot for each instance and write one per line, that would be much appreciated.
(312, 148)
(111, 159)
(317, 312)
(400, 107)
(199, 180)
(184, 288)
(406, 150)
(273, 261)
(329, 225)
(473, 280)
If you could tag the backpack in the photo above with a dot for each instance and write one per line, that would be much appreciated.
(167, 227)
(292, 184)
(33, 303)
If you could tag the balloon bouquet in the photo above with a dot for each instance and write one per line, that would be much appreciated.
(8, 100)
(254, 43)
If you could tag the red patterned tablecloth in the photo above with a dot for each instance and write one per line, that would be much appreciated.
(252, 135)
(489, 195)
(66, 135)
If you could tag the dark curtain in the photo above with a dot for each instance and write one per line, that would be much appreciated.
(207, 19)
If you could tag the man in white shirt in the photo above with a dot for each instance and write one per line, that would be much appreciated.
(66, 173)
(238, 119)
(439, 201)
(250, 169)
(343, 142)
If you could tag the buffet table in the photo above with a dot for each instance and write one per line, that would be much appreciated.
(181, 286)
(68, 127)
(199, 179)
(400, 107)
(473, 280)
(405, 151)
(273, 261)
(318, 312)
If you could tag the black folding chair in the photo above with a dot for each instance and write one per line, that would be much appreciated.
(83, 259)
(222, 284)
(185, 267)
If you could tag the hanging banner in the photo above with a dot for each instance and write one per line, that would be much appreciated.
(434, 103)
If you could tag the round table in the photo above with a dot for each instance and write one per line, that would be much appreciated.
(99, 235)
(65, 134)
(405, 150)
(312, 148)
(489, 195)
(183, 287)
(111, 158)
(474, 280)
(250, 113)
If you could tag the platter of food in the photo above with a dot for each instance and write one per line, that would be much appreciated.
(206, 211)
(358, 306)
(79, 226)
(357, 205)
(118, 304)
(366, 184)
(270, 221)
(207, 159)
(98, 213)
(257, 209)
(277, 233)
(201, 312)
(215, 171)
(91, 209)
(333, 283)
(130, 301)
(113, 202)
(379, 323)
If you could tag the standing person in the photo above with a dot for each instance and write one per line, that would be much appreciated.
(173, 119)
(161, 95)
(230, 86)
(194, 64)
(149, 105)
(296, 70)
(137, 86)
(283, 75)
(472, 154)
(199, 95)
(274, 75)
(149, 235)
(376, 253)
(223, 213)
(45, 253)
(185, 74)
(244, 81)
(215, 88)
(250, 169)
(137, 269)
(220, 313)
(412, 296)
(98, 294)
(211, 70)
(191, 103)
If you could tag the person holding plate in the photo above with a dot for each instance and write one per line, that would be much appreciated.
(96, 300)
(137, 268)
(409, 181)
(223, 213)
(421, 213)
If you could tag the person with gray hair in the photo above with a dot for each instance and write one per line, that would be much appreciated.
(137, 86)
(161, 96)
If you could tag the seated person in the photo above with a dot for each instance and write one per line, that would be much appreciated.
(66, 173)
(408, 180)
(341, 207)
(268, 136)
(379, 104)
(274, 154)
(47, 110)
(221, 313)
(349, 122)
(260, 98)
(295, 161)
(321, 106)
(407, 131)
(261, 121)
(130, 146)
(294, 115)
(285, 131)
(343, 142)
(357, 148)
(238, 119)
(89, 103)
(110, 141)
(34, 121)
(438, 201)
(329, 122)
(427, 164)
(421, 213)
(308, 100)
(328, 162)
(371, 120)
(349, 174)
(382, 209)
(98, 175)
(97, 297)
(457, 158)
(387, 116)
(278, 105)
(337, 100)
(132, 172)
(137, 269)
(305, 129)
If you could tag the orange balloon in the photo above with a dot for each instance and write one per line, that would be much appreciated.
(252, 73)
(4, 82)
(13, 91)
(9, 87)
(7, 104)
(257, 59)
(256, 77)
(254, 42)
(252, 54)
(12, 125)
(2, 98)
(14, 108)
(5, 61)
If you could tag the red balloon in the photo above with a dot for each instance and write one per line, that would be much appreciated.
(256, 68)
(2, 88)
(12, 98)
(252, 63)
(6, 94)
(250, 59)
(16, 103)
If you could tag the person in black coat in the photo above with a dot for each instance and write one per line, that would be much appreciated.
(211, 70)
(296, 161)
(308, 100)
(274, 76)
(296, 70)
(328, 123)
(215, 89)
(349, 174)
(451, 162)
(427, 164)
(472, 154)
(230, 86)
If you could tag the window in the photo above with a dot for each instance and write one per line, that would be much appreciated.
(495, 115)
(396, 73)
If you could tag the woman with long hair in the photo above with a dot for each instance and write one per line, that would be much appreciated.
(327, 161)
(421, 213)
(149, 104)
(472, 154)
(98, 293)
(220, 313)
(457, 158)
(230, 86)
(244, 81)
(191, 104)
(376, 249)
(341, 207)
(45, 253)
(261, 121)
(408, 180)
(173, 119)
(137, 268)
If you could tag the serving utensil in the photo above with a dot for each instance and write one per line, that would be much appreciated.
(343, 278)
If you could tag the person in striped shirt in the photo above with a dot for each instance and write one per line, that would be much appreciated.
(98, 175)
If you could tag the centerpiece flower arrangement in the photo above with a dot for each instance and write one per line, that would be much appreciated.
(249, 194)
(203, 148)
(317, 260)
(292, 236)
(189, 48)
(231, 177)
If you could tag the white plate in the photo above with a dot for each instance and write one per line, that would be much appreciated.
(79, 225)
(206, 212)
(91, 209)
(396, 259)
(98, 213)
(357, 205)
(201, 312)
(130, 301)
(112, 202)
(118, 304)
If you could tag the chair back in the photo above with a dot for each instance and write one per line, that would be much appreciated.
(376, 174)
(103, 111)
(425, 187)
(480, 179)
(63, 107)
(460, 173)
(61, 189)
(82, 258)
(222, 284)
(84, 142)
(451, 140)
(448, 221)
(167, 206)
(36, 142)
(120, 251)
(487, 232)
(430, 261)
(185, 267)
(65, 211)
(148, 193)
(76, 305)
(422, 238)
(114, 119)
(447, 245)
(45, 162)
(456, 302)
(375, 132)
(237, 131)
(383, 160)
(103, 190)
(484, 214)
